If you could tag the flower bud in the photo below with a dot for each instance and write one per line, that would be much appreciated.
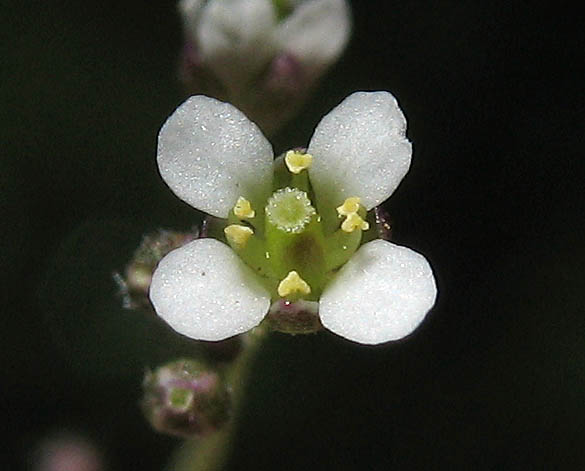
(135, 283)
(185, 398)
(298, 317)
(262, 56)
(284, 75)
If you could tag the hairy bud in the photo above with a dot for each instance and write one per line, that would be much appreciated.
(185, 398)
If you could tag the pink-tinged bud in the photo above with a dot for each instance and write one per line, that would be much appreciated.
(135, 282)
(298, 317)
(285, 75)
(185, 398)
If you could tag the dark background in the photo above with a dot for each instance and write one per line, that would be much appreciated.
(494, 378)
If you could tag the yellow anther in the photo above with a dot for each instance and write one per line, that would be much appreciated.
(293, 284)
(238, 235)
(352, 222)
(296, 162)
(349, 206)
(243, 209)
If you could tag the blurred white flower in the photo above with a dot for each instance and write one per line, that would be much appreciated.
(294, 226)
(262, 56)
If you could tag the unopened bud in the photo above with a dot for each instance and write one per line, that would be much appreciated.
(185, 398)
(285, 75)
(135, 282)
(263, 57)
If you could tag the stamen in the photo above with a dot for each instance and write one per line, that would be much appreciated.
(296, 162)
(243, 209)
(349, 206)
(289, 210)
(293, 284)
(353, 222)
(237, 235)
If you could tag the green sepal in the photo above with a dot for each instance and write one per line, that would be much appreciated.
(303, 252)
(254, 254)
(300, 181)
(340, 246)
(281, 175)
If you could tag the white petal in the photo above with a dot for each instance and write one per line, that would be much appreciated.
(383, 293)
(316, 33)
(359, 149)
(236, 39)
(204, 291)
(209, 154)
(190, 11)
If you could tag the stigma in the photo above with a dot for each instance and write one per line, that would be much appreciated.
(290, 210)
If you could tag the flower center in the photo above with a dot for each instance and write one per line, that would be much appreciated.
(290, 210)
(287, 245)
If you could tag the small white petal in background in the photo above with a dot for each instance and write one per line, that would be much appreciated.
(210, 154)
(316, 34)
(233, 30)
(204, 291)
(190, 11)
(360, 149)
(383, 293)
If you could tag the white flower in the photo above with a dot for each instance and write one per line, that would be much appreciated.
(262, 55)
(218, 161)
(238, 38)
